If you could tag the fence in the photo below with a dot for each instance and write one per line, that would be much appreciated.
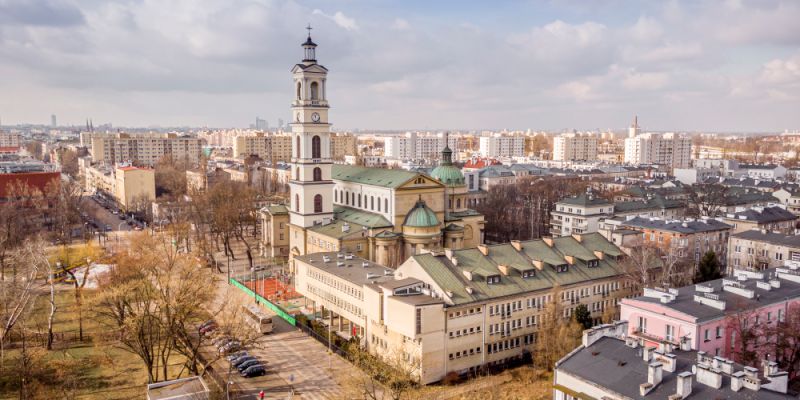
(273, 307)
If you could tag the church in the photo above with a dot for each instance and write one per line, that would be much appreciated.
(383, 215)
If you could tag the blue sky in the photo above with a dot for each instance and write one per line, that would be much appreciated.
(680, 65)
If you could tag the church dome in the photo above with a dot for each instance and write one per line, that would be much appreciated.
(450, 175)
(446, 172)
(421, 216)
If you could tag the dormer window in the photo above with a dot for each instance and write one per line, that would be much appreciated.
(493, 279)
(562, 268)
(593, 263)
(528, 274)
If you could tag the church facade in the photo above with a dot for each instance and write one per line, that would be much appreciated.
(383, 215)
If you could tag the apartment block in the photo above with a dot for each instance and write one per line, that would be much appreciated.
(761, 249)
(579, 214)
(144, 149)
(701, 317)
(575, 147)
(499, 145)
(670, 149)
(9, 139)
(774, 219)
(131, 187)
(269, 147)
(342, 145)
(462, 310)
(418, 146)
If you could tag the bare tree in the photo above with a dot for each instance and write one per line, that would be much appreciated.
(745, 329)
(557, 334)
(17, 295)
(706, 199)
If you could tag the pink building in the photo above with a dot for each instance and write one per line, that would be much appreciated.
(699, 317)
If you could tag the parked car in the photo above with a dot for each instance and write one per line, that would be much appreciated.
(241, 360)
(108, 228)
(236, 355)
(255, 370)
(208, 328)
(220, 340)
(230, 347)
(247, 364)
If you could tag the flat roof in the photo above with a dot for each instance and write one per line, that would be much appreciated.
(352, 270)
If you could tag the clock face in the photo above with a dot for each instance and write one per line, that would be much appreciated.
(315, 117)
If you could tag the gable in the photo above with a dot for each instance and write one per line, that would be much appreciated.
(314, 68)
(420, 181)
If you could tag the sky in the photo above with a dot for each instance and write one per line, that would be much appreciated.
(560, 64)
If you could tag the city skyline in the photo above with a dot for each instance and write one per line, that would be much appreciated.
(716, 66)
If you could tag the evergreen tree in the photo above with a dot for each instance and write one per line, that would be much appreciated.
(708, 269)
(582, 316)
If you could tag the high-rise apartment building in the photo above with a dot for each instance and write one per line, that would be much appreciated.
(414, 145)
(343, 144)
(669, 149)
(270, 147)
(53, 121)
(9, 139)
(503, 146)
(575, 147)
(143, 148)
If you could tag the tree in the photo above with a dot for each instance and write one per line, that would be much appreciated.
(557, 335)
(71, 259)
(745, 330)
(708, 268)
(17, 294)
(389, 377)
(170, 178)
(583, 316)
(706, 199)
(650, 266)
(786, 349)
(64, 199)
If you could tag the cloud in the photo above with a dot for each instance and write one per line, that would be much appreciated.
(52, 13)
(400, 24)
(645, 81)
(340, 19)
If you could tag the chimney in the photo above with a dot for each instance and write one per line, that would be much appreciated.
(577, 237)
(647, 353)
(483, 249)
(684, 384)
(598, 254)
(737, 379)
(517, 245)
(708, 376)
(654, 373)
(503, 269)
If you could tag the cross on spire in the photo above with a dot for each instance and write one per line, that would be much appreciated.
(309, 28)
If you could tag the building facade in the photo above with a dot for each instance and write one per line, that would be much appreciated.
(499, 145)
(670, 149)
(579, 214)
(774, 219)
(144, 149)
(462, 310)
(575, 147)
(267, 146)
(760, 249)
(418, 146)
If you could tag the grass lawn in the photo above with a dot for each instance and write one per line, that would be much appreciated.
(92, 369)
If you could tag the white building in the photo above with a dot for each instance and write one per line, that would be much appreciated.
(417, 146)
(575, 147)
(9, 139)
(579, 214)
(669, 149)
(497, 145)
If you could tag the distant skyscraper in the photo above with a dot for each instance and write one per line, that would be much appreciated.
(634, 128)
(53, 121)
(261, 124)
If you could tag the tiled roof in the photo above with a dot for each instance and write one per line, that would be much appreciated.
(769, 237)
(277, 209)
(656, 202)
(335, 229)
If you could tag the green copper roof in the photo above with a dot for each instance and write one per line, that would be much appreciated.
(368, 219)
(335, 229)
(421, 216)
(390, 178)
(450, 175)
(277, 209)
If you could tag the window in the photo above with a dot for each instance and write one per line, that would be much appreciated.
(780, 315)
(317, 174)
(379, 204)
(316, 152)
(642, 324)
(314, 91)
(386, 204)
(297, 202)
(359, 200)
(706, 336)
(299, 90)
(297, 140)
(335, 196)
(493, 279)
(670, 334)
(419, 321)
(318, 203)
(719, 332)
(458, 203)
(371, 202)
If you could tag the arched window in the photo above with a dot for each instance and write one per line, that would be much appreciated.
(299, 91)
(317, 174)
(386, 205)
(335, 196)
(371, 202)
(359, 200)
(318, 203)
(297, 202)
(314, 91)
(379, 204)
(315, 147)
(297, 174)
(297, 147)
(458, 203)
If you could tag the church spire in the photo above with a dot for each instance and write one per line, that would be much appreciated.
(447, 154)
(309, 48)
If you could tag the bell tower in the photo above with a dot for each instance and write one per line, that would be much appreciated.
(310, 184)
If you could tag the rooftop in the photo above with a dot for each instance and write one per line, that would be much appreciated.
(687, 226)
(760, 289)
(349, 267)
(655, 202)
(521, 266)
(587, 199)
(769, 237)
(610, 363)
(389, 178)
(763, 215)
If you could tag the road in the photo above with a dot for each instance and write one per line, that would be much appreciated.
(294, 360)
